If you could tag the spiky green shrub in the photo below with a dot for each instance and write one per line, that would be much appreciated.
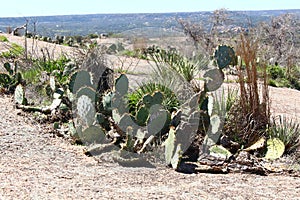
(287, 130)
(178, 63)
(170, 101)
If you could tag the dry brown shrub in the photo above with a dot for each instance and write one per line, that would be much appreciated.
(249, 118)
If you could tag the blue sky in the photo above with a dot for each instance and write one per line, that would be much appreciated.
(21, 8)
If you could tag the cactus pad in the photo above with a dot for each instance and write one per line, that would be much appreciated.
(80, 79)
(122, 85)
(224, 56)
(169, 146)
(275, 148)
(214, 79)
(85, 110)
(93, 134)
(20, 95)
(142, 116)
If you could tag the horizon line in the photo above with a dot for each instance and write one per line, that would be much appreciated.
(171, 12)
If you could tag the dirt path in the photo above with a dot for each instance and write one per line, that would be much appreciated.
(37, 165)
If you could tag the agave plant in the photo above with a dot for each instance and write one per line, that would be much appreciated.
(287, 130)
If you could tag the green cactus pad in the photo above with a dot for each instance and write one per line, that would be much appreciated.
(176, 157)
(93, 134)
(275, 148)
(214, 78)
(80, 79)
(224, 55)
(87, 91)
(126, 121)
(8, 68)
(142, 116)
(147, 100)
(159, 119)
(122, 85)
(157, 98)
(169, 146)
(85, 110)
(19, 95)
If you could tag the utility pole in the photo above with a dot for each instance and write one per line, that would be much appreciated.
(25, 28)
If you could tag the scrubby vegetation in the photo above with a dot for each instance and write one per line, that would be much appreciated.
(179, 109)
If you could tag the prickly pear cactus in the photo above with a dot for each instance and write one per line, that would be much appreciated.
(150, 94)
(80, 79)
(87, 91)
(159, 120)
(215, 127)
(172, 156)
(122, 85)
(85, 110)
(275, 148)
(8, 68)
(169, 146)
(92, 134)
(214, 79)
(224, 56)
(19, 95)
(142, 116)
(5, 80)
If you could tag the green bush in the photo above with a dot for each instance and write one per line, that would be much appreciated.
(93, 36)
(54, 67)
(279, 77)
(134, 54)
(3, 38)
(276, 71)
(15, 51)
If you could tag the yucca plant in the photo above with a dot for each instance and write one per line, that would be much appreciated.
(186, 68)
(170, 100)
(287, 130)
(224, 101)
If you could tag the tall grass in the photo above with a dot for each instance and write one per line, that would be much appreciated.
(249, 119)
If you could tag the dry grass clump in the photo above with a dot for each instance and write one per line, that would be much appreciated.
(247, 120)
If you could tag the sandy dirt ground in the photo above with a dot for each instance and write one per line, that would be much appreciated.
(36, 164)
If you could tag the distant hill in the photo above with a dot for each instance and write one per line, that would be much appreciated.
(162, 23)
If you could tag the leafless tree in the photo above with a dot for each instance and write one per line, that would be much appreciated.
(206, 40)
(281, 39)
